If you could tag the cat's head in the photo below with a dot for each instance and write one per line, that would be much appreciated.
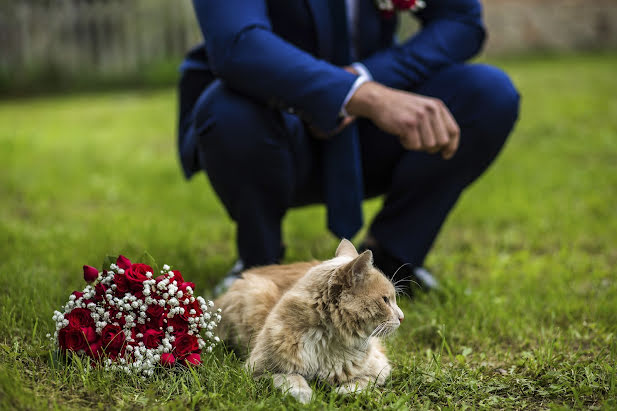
(361, 298)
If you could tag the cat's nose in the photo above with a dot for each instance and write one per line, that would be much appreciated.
(401, 316)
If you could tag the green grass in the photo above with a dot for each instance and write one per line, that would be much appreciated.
(527, 317)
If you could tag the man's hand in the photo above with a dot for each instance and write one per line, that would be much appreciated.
(421, 123)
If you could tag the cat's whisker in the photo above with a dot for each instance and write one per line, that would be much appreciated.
(399, 289)
(376, 332)
(402, 280)
(371, 335)
(383, 331)
(396, 272)
(402, 291)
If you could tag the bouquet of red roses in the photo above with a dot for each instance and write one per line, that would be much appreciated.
(128, 319)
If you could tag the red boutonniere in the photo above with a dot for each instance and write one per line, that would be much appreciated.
(389, 7)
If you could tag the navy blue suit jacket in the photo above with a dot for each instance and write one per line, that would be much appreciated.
(279, 52)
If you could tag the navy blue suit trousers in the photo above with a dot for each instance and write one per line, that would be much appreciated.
(262, 161)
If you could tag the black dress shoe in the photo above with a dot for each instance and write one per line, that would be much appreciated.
(404, 276)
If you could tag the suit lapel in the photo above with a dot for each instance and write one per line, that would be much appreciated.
(323, 27)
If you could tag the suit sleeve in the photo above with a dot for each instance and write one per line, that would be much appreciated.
(452, 32)
(245, 53)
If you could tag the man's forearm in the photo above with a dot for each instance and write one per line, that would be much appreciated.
(244, 51)
(364, 101)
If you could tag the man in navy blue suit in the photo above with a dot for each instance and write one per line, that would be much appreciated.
(294, 102)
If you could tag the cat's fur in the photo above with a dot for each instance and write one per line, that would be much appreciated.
(314, 320)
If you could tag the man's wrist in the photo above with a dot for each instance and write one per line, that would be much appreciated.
(361, 70)
(352, 91)
(364, 100)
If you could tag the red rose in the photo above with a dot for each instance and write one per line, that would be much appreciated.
(71, 338)
(177, 277)
(167, 360)
(182, 287)
(90, 273)
(77, 294)
(136, 275)
(155, 310)
(404, 4)
(193, 359)
(152, 338)
(185, 344)
(192, 306)
(80, 317)
(122, 284)
(94, 349)
(156, 323)
(123, 262)
(100, 291)
(112, 338)
(89, 334)
(181, 326)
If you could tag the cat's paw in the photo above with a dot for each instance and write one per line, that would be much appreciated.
(302, 395)
(384, 374)
(294, 385)
(351, 388)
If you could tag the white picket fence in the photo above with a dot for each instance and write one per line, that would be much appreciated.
(101, 36)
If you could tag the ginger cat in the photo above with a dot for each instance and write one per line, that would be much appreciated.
(314, 320)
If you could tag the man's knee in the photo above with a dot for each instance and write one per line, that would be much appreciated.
(243, 148)
(229, 122)
(491, 92)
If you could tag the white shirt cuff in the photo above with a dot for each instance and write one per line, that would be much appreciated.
(363, 77)
(362, 70)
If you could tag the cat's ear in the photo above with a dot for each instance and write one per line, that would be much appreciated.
(362, 265)
(346, 248)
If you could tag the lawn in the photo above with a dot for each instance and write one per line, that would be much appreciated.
(527, 317)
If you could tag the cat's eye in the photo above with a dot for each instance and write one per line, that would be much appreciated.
(386, 300)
